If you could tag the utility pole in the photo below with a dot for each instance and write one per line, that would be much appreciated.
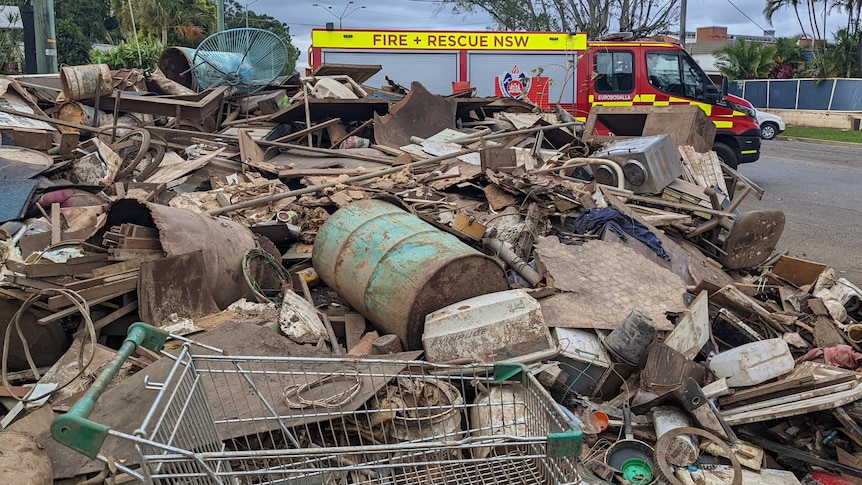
(682, 8)
(46, 40)
(219, 15)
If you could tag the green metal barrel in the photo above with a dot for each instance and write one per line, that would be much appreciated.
(394, 268)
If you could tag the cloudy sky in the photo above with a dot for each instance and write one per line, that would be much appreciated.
(740, 16)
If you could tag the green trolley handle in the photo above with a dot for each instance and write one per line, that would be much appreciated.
(73, 429)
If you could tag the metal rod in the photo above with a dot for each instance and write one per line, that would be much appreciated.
(270, 198)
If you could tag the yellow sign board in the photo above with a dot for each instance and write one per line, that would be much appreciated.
(439, 40)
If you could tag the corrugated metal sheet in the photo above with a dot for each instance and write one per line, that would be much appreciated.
(482, 67)
(435, 70)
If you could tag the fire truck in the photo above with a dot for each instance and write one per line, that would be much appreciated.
(548, 68)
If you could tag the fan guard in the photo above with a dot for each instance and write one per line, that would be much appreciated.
(247, 60)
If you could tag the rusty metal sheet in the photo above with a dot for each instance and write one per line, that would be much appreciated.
(358, 72)
(193, 107)
(420, 114)
(321, 109)
(174, 285)
(181, 231)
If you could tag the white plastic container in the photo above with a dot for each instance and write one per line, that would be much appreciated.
(584, 360)
(753, 363)
(489, 328)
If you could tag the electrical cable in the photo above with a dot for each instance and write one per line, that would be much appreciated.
(83, 308)
(252, 283)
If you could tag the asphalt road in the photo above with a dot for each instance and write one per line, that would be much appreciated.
(818, 188)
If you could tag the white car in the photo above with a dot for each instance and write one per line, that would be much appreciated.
(770, 125)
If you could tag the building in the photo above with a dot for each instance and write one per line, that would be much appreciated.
(709, 39)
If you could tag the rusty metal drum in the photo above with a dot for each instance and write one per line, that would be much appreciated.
(394, 268)
(85, 82)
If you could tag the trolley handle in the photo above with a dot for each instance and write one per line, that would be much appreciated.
(74, 429)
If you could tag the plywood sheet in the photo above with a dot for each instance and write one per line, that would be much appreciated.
(602, 282)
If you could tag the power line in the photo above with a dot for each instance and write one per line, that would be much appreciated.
(746, 15)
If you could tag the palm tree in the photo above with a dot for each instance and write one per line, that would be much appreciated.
(741, 60)
(839, 59)
(773, 6)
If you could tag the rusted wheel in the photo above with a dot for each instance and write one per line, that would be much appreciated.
(132, 148)
(152, 158)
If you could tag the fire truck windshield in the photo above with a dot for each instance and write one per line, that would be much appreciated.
(675, 72)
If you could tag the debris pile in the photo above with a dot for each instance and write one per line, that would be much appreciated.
(377, 250)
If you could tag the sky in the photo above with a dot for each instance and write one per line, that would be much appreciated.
(740, 16)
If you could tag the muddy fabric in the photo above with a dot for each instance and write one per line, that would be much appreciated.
(597, 221)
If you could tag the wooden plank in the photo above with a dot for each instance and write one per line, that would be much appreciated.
(96, 281)
(73, 310)
(354, 327)
(311, 129)
(116, 268)
(39, 284)
(119, 254)
(109, 318)
(365, 346)
(135, 230)
(125, 285)
(48, 269)
(56, 227)
(784, 409)
(141, 243)
(21, 295)
(319, 172)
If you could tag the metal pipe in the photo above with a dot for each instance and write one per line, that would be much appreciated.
(513, 260)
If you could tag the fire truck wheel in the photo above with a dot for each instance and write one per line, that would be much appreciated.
(725, 154)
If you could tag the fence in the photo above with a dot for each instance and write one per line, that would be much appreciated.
(801, 94)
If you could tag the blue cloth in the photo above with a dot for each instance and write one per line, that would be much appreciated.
(597, 221)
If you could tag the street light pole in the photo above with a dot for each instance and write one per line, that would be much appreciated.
(344, 13)
(682, 9)
(246, 12)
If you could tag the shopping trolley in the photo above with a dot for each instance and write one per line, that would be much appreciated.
(321, 421)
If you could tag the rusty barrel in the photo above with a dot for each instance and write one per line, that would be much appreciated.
(176, 64)
(86, 82)
(395, 268)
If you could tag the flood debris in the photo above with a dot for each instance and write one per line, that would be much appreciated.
(374, 270)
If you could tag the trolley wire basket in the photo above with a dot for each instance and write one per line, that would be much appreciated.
(322, 421)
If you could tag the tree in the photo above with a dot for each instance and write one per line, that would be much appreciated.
(11, 56)
(171, 22)
(73, 47)
(741, 60)
(93, 17)
(789, 59)
(838, 59)
(640, 17)
(235, 17)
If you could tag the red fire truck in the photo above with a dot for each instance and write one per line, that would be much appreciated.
(549, 68)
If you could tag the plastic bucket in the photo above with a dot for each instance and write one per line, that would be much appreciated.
(753, 363)
(86, 82)
(630, 339)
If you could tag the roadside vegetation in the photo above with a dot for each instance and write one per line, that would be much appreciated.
(827, 134)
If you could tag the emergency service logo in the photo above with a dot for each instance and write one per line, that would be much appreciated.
(514, 84)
